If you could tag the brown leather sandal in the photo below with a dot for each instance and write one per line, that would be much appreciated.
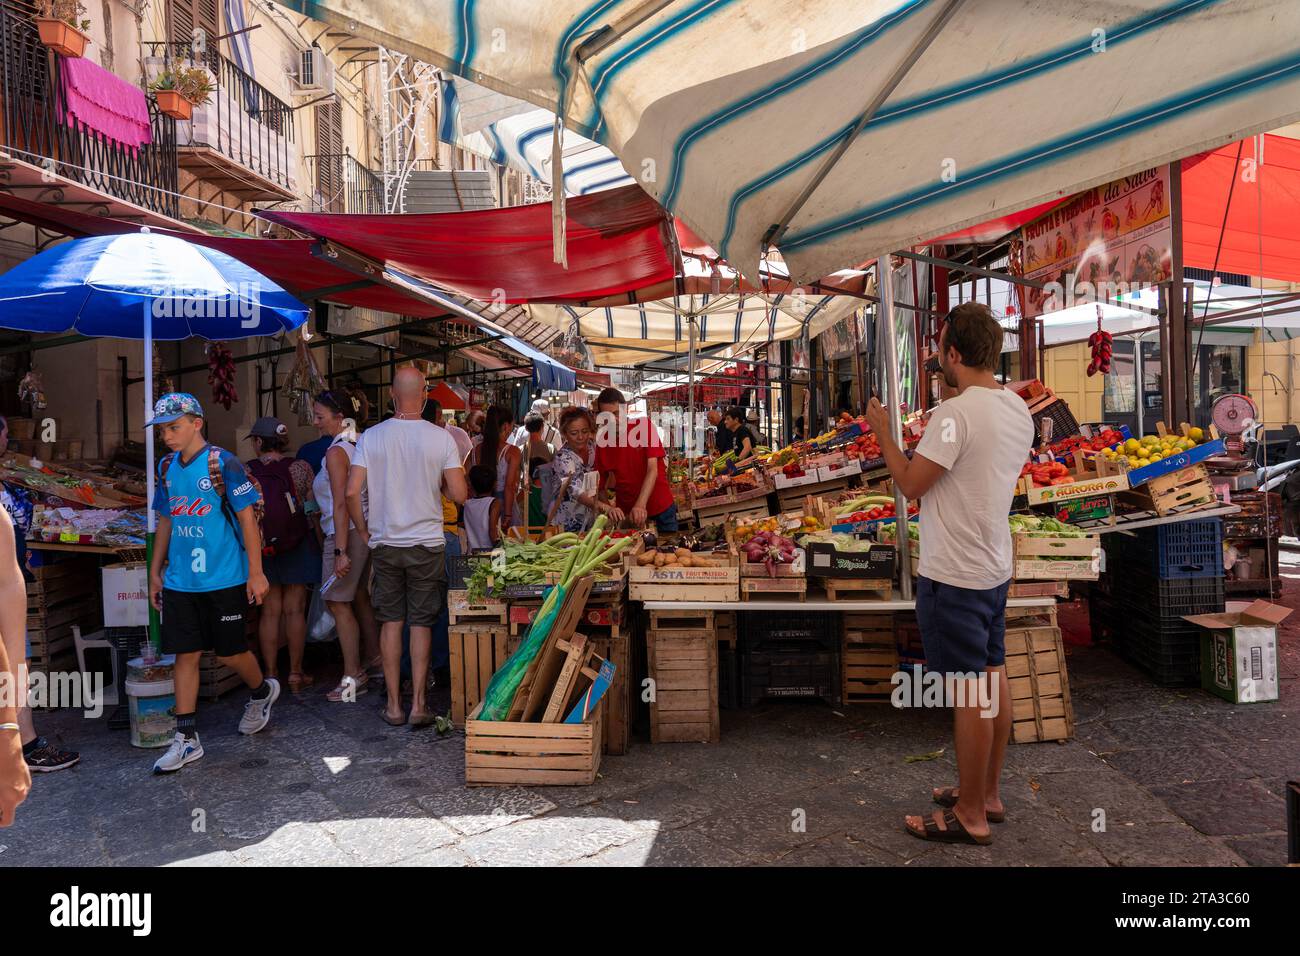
(952, 830)
(947, 797)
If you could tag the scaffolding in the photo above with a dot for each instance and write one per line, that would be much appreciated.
(407, 91)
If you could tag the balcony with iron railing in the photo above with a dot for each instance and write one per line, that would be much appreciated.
(36, 130)
(241, 141)
(343, 184)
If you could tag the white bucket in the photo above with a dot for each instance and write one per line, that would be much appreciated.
(153, 712)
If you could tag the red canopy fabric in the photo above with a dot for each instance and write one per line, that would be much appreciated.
(617, 242)
(1263, 226)
(287, 261)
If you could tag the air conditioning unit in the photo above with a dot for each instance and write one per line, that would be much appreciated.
(315, 72)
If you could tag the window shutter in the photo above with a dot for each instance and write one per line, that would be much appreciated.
(329, 152)
(185, 15)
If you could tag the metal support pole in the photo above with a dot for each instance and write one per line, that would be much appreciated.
(901, 539)
(690, 394)
(151, 517)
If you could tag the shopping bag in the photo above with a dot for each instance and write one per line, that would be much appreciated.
(320, 622)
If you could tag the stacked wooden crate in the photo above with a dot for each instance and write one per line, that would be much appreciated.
(215, 678)
(59, 599)
(870, 657)
(682, 652)
(477, 649)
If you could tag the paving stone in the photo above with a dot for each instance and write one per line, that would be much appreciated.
(1077, 795)
(390, 834)
(666, 805)
(255, 818)
(1161, 844)
(1226, 807)
(667, 848)
(216, 858)
(475, 810)
(1175, 764)
(1260, 850)
(548, 841)
(443, 856)
(299, 844)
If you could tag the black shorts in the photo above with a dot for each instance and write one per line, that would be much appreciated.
(963, 630)
(205, 621)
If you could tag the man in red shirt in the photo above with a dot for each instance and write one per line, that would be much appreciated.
(631, 451)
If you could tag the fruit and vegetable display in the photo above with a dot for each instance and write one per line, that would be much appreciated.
(1149, 449)
(1107, 438)
(864, 448)
(221, 375)
(873, 507)
(770, 549)
(668, 556)
(1035, 524)
(1047, 473)
(1101, 342)
(529, 562)
(889, 532)
(840, 540)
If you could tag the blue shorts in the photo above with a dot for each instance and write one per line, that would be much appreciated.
(299, 566)
(963, 630)
(666, 520)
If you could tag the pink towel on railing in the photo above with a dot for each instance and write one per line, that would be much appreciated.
(104, 103)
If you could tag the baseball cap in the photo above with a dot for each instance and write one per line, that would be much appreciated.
(268, 427)
(172, 406)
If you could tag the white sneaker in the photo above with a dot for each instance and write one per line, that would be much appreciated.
(257, 713)
(182, 751)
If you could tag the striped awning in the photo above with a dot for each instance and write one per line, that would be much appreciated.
(514, 134)
(848, 130)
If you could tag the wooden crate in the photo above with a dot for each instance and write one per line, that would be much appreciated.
(1059, 589)
(685, 584)
(793, 588)
(476, 651)
(684, 666)
(1040, 687)
(858, 589)
(461, 608)
(62, 662)
(215, 678)
(1049, 557)
(870, 658)
(515, 753)
(1181, 491)
(724, 626)
(1029, 616)
(617, 702)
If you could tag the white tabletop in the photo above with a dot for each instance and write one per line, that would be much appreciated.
(894, 604)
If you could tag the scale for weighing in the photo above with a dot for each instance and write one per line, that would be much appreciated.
(1234, 415)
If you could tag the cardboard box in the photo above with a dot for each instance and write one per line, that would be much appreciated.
(1239, 651)
(126, 595)
(827, 561)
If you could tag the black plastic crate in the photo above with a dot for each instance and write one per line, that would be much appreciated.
(1186, 549)
(1168, 668)
(806, 673)
(1064, 424)
(768, 630)
(1168, 599)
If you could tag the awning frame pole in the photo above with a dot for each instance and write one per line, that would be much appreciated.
(932, 31)
(902, 540)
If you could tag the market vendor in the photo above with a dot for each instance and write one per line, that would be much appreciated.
(630, 451)
(721, 437)
(742, 439)
(965, 471)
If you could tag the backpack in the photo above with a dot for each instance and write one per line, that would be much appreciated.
(282, 520)
(218, 485)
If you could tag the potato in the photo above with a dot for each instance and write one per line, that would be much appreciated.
(660, 559)
(682, 553)
(687, 561)
(646, 557)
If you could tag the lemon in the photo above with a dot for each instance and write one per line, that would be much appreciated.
(1156, 457)
(1196, 434)
(1131, 445)
(1133, 463)
(1191, 443)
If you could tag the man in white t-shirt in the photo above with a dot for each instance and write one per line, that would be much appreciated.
(406, 465)
(964, 471)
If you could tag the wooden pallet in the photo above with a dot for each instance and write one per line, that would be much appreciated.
(1040, 687)
(52, 617)
(476, 651)
(63, 662)
(858, 589)
(460, 609)
(684, 667)
(510, 753)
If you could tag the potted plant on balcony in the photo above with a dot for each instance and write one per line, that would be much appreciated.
(61, 27)
(181, 89)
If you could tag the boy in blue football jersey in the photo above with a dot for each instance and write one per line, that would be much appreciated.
(205, 509)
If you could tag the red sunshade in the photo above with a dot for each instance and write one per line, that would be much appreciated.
(616, 243)
(1263, 227)
(994, 229)
(447, 397)
(287, 261)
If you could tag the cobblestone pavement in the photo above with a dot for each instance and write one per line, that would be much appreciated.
(1182, 778)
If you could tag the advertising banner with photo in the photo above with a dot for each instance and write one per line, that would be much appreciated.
(1104, 243)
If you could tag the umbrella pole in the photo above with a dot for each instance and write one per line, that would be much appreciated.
(902, 537)
(150, 517)
(690, 393)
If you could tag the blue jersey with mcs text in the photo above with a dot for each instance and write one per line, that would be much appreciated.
(206, 550)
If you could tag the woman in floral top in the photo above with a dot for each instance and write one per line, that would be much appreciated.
(575, 509)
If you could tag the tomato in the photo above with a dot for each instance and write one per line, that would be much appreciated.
(1062, 480)
(858, 516)
(873, 514)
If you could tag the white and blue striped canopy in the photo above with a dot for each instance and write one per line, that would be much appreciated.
(514, 134)
(728, 110)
